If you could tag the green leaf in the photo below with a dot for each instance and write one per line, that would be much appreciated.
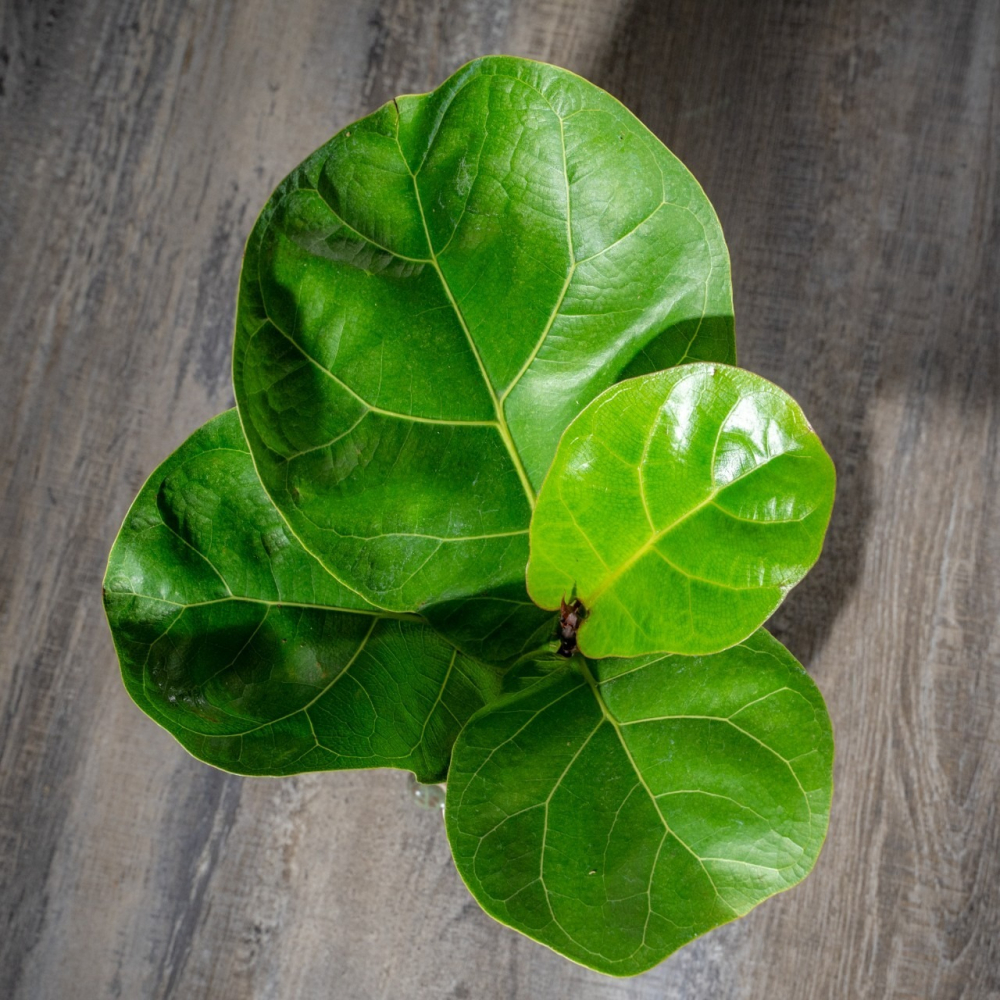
(680, 509)
(431, 297)
(619, 808)
(240, 644)
(498, 627)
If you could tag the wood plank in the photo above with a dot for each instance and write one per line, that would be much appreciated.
(851, 150)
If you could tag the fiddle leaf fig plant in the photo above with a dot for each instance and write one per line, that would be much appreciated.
(495, 507)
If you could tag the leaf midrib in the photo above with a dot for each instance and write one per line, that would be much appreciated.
(501, 419)
(584, 669)
(404, 616)
(614, 575)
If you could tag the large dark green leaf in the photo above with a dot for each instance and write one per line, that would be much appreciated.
(245, 648)
(616, 809)
(680, 509)
(433, 295)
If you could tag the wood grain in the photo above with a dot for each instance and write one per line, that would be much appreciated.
(851, 149)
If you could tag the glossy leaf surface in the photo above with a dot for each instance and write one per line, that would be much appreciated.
(680, 509)
(250, 653)
(433, 295)
(616, 809)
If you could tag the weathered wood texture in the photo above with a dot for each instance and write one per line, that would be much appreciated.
(852, 151)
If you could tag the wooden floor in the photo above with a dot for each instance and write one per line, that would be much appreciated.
(851, 149)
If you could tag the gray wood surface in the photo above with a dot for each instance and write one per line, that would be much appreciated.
(851, 149)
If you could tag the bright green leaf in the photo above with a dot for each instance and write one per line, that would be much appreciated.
(680, 509)
(434, 294)
(240, 644)
(616, 809)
